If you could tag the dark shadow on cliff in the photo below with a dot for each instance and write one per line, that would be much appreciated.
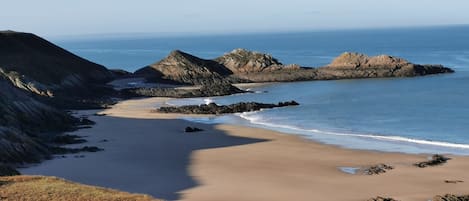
(140, 155)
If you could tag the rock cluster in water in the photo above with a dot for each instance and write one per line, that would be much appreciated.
(213, 108)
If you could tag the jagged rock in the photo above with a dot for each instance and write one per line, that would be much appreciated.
(435, 160)
(245, 61)
(450, 197)
(356, 65)
(181, 67)
(192, 129)
(213, 108)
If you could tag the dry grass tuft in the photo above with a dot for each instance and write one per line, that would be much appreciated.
(39, 188)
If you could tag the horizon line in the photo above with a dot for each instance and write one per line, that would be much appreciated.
(116, 35)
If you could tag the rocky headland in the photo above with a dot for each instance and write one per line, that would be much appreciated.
(213, 108)
(38, 80)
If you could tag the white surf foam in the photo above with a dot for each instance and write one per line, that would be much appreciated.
(257, 119)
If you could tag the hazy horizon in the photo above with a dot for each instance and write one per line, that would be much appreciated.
(86, 17)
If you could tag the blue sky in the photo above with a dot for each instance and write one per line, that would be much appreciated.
(63, 17)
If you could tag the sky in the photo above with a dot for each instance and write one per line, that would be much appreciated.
(88, 17)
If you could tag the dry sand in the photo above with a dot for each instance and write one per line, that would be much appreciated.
(149, 153)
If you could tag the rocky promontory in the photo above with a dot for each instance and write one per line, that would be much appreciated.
(213, 108)
(241, 65)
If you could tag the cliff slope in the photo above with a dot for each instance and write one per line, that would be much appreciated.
(36, 65)
(23, 121)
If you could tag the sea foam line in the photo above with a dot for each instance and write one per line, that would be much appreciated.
(258, 120)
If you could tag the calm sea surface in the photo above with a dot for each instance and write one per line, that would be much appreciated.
(416, 115)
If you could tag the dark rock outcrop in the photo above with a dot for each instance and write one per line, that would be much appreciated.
(184, 68)
(213, 108)
(435, 160)
(204, 91)
(450, 197)
(356, 65)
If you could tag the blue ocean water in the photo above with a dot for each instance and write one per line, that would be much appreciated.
(418, 115)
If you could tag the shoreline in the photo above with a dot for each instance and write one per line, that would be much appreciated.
(224, 160)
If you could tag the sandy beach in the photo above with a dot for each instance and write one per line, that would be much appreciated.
(149, 153)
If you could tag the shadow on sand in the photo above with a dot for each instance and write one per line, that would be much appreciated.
(141, 155)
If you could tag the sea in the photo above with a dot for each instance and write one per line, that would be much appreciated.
(412, 115)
